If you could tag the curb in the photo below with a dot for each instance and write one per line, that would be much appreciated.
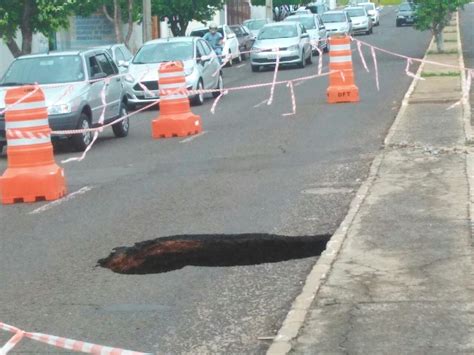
(295, 318)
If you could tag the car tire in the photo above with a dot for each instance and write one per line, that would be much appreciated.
(198, 99)
(371, 30)
(82, 140)
(309, 60)
(243, 56)
(230, 61)
(131, 107)
(220, 86)
(302, 63)
(122, 128)
(2, 145)
(326, 48)
(399, 23)
(255, 68)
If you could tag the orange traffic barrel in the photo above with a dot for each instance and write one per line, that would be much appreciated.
(32, 174)
(175, 118)
(342, 87)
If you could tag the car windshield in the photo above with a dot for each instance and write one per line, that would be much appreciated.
(201, 33)
(255, 24)
(405, 7)
(328, 18)
(369, 7)
(52, 69)
(237, 30)
(306, 21)
(273, 32)
(164, 52)
(356, 12)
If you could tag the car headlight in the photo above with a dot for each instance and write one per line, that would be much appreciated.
(59, 109)
(129, 78)
(188, 71)
(293, 48)
(401, 16)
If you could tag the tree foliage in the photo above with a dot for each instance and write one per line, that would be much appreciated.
(435, 15)
(181, 12)
(32, 16)
(278, 2)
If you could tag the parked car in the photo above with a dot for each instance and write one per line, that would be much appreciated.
(231, 43)
(316, 29)
(361, 21)
(291, 40)
(245, 38)
(373, 12)
(200, 64)
(72, 99)
(119, 53)
(405, 14)
(319, 7)
(337, 22)
(255, 25)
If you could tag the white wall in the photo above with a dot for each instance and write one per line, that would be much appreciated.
(257, 12)
(39, 45)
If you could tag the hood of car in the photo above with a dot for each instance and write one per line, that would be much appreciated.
(335, 25)
(57, 94)
(358, 19)
(149, 72)
(276, 43)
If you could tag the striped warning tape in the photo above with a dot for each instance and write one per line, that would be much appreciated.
(59, 342)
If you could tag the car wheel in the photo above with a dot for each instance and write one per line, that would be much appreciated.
(2, 145)
(399, 23)
(198, 99)
(82, 140)
(302, 63)
(220, 87)
(255, 68)
(121, 128)
(243, 56)
(371, 30)
(230, 62)
(326, 48)
(131, 107)
(239, 58)
(309, 60)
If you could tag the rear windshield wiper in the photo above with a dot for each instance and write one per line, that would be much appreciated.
(12, 83)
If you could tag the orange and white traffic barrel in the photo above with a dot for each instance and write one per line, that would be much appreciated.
(32, 174)
(342, 87)
(175, 118)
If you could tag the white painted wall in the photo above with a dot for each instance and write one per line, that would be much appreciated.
(257, 12)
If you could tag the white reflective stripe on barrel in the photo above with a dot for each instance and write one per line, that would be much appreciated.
(26, 124)
(173, 86)
(173, 97)
(27, 141)
(26, 106)
(340, 59)
(340, 47)
(171, 75)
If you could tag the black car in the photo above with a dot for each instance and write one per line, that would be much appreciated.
(245, 38)
(406, 14)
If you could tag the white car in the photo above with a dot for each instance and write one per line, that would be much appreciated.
(337, 22)
(230, 41)
(361, 21)
(373, 12)
(254, 25)
(316, 29)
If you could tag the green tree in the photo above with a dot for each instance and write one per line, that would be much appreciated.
(181, 12)
(29, 17)
(435, 15)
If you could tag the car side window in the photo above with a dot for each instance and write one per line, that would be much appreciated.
(93, 66)
(205, 47)
(105, 64)
(199, 49)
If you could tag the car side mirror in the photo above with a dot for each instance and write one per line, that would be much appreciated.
(203, 59)
(322, 27)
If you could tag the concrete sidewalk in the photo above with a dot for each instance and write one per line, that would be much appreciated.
(398, 279)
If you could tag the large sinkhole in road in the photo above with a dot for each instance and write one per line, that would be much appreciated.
(175, 252)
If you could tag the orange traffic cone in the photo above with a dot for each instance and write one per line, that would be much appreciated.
(341, 82)
(175, 118)
(32, 174)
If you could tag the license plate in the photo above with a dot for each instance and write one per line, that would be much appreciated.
(152, 94)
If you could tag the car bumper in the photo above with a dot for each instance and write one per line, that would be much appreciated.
(360, 28)
(141, 97)
(406, 19)
(56, 123)
(270, 58)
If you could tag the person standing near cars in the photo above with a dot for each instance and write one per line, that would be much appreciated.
(214, 38)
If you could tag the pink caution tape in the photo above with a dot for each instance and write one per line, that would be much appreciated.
(62, 343)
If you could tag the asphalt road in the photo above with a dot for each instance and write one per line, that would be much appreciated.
(253, 171)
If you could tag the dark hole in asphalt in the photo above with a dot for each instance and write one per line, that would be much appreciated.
(175, 252)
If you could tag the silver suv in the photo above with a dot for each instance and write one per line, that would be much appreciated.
(72, 83)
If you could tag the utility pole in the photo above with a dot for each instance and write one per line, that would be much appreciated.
(269, 9)
(146, 23)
